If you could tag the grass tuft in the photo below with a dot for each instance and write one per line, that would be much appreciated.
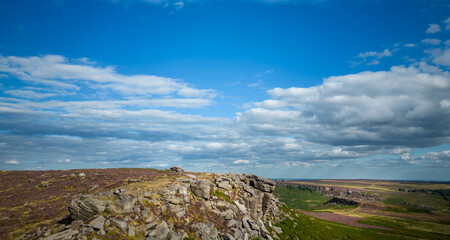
(221, 195)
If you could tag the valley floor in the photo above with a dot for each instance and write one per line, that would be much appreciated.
(405, 209)
(340, 218)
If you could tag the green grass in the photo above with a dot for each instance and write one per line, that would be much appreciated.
(415, 202)
(396, 204)
(301, 197)
(221, 195)
(375, 189)
(411, 227)
(393, 200)
(302, 226)
(400, 209)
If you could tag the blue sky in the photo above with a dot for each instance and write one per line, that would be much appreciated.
(302, 89)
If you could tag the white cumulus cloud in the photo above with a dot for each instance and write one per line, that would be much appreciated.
(58, 71)
(447, 22)
(433, 28)
(67, 160)
(444, 155)
(29, 94)
(410, 45)
(12, 162)
(241, 162)
(373, 58)
(400, 107)
(431, 41)
(442, 57)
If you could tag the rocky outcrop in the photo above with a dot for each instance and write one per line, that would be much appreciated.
(345, 193)
(201, 206)
(258, 195)
(341, 201)
(87, 206)
(201, 189)
(258, 182)
(176, 169)
(66, 234)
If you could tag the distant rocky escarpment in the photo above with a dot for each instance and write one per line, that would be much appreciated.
(357, 195)
(185, 206)
(341, 201)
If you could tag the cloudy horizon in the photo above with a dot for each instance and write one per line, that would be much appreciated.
(284, 89)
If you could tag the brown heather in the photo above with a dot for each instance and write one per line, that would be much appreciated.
(32, 199)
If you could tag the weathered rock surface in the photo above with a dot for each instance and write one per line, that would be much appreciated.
(86, 206)
(205, 206)
(201, 189)
(176, 169)
(260, 183)
(118, 223)
(124, 205)
(98, 223)
(67, 234)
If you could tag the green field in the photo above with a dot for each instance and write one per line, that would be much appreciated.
(299, 197)
(301, 226)
(416, 201)
(304, 198)
(410, 210)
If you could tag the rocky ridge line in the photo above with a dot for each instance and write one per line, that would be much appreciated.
(200, 206)
(342, 192)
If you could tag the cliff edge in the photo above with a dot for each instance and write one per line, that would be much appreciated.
(181, 206)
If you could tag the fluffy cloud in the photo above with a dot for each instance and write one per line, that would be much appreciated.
(100, 119)
(433, 28)
(222, 153)
(442, 57)
(178, 5)
(191, 92)
(431, 41)
(67, 160)
(13, 162)
(58, 71)
(400, 107)
(241, 162)
(440, 156)
(29, 94)
(91, 112)
(373, 58)
(347, 117)
(447, 22)
(103, 104)
(385, 53)
(410, 45)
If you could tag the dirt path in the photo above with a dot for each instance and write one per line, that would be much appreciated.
(339, 218)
